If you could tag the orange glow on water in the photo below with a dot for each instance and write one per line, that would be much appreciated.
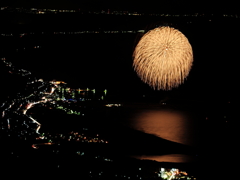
(172, 126)
(175, 158)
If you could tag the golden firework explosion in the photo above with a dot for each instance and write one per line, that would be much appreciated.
(163, 58)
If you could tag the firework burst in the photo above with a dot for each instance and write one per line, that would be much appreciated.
(163, 58)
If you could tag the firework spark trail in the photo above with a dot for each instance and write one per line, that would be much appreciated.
(163, 58)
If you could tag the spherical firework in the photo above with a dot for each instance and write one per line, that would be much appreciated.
(163, 58)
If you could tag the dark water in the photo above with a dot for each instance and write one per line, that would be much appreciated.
(161, 122)
(140, 130)
(173, 133)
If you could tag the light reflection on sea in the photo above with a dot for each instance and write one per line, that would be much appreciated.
(173, 125)
(173, 158)
(169, 125)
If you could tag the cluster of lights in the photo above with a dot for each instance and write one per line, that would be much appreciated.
(113, 105)
(69, 111)
(74, 95)
(174, 173)
(108, 12)
(37, 92)
(14, 111)
(73, 137)
(73, 33)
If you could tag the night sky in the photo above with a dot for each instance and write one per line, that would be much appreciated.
(215, 52)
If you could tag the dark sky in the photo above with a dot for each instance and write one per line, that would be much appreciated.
(150, 5)
(213, 70)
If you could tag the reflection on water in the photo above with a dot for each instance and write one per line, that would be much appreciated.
(169, 134)
(171, 125)
(173, 158)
